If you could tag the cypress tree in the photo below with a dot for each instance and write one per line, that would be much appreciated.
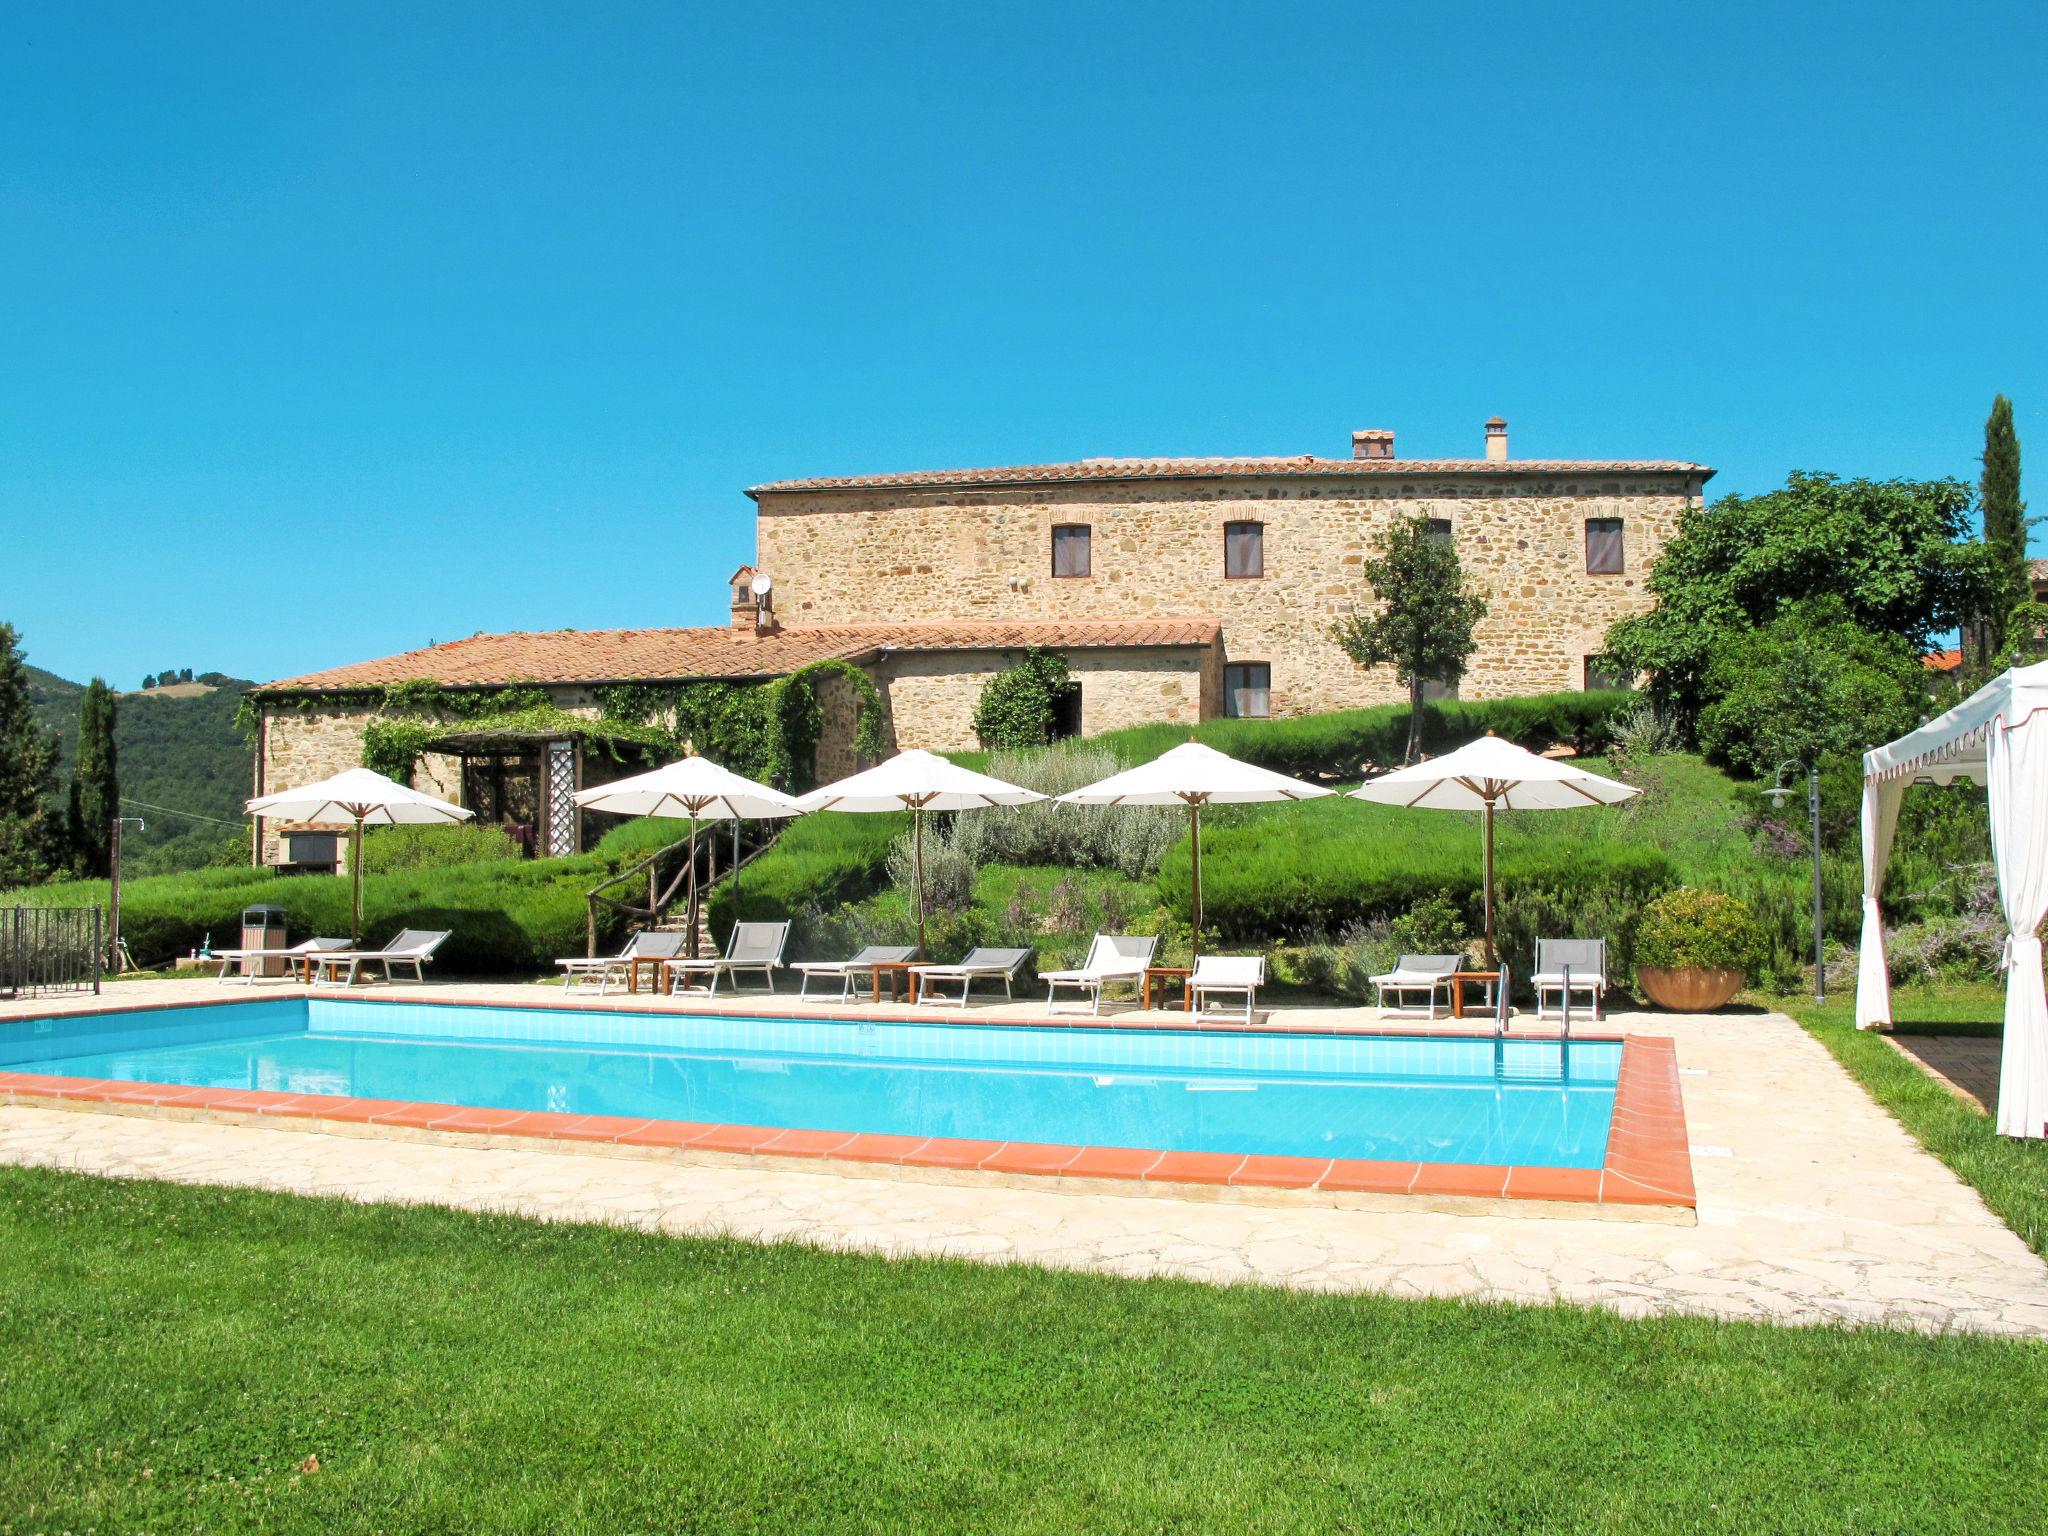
(30, 835)
(2005, 515)
(95, 784)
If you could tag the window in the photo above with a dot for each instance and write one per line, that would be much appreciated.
(1248, 689)
(1606, 672)
(1436, 690)
(1071, 549)
(1244, 550)
(1439, 529)
(1603, 546)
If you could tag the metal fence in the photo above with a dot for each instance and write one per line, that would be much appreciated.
(51, 949)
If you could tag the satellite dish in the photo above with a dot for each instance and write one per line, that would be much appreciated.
(762, 584)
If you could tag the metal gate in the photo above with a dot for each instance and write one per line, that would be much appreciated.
(50, 949)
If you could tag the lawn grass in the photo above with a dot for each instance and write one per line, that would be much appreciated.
(2012, 1176)
(169, 1356)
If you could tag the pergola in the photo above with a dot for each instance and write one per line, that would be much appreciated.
(1997, 737)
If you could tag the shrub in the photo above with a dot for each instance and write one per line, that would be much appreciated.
(386, 849)
(1018, 707)
(1708, 930)
(1809, 684)
(950, 864)
(1433, 926)
(1131, 839)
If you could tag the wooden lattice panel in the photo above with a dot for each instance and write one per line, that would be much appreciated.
(561, 805)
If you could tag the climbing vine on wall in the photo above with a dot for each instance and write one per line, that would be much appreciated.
(767, 731)
(413, 715)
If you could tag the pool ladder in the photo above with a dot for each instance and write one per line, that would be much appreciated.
(1501, 1010)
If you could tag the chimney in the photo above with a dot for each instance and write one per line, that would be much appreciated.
(1497, 441)
(1372, 443)
(752, 606)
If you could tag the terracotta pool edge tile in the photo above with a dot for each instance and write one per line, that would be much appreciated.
(805, 1143)
(1032, 1157)
(952, 1152)
(1370, 1176)
(1194, 1168)
(1112, 1163)
(1485, 1181)
(1267, 1171)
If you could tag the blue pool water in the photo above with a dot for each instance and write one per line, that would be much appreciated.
(1523, 1102)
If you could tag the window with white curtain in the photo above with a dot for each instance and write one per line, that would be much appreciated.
(1248, 690)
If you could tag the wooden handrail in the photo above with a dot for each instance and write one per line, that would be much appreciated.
(658, 900)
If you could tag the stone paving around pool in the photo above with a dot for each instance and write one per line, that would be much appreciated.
(1813, 1205)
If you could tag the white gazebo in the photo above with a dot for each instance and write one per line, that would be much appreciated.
(1996, 737)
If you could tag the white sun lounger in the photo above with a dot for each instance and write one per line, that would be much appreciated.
(1230, 976)
(412, 946)
(1427, 974)
(992, 963)
(1566, 966)
(861, 964)
(752, 947)
(581, 971)
(1112, 957)
(228, 958)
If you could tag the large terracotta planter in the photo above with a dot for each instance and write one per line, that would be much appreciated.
(1688, 988)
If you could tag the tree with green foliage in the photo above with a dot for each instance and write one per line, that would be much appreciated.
(95, 783)
(2005, 522)
(1019, 707)
(1893, 552)
(1424, 624)
(31, 837)
(1811, 684)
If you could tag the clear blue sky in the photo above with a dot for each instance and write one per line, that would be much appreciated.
(333, 330)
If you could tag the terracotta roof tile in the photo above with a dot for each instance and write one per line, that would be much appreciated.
(654, 655)
(1228, 468)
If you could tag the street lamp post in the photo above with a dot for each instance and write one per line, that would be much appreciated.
(1778, 794)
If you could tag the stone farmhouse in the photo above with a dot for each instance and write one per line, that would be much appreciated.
(1176, 589)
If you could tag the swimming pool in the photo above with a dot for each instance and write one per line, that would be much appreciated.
(1525, 1103)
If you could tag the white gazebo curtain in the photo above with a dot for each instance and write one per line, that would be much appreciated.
(1881, 799)
(1997, 737)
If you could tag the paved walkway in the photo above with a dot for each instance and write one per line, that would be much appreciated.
(1814, 1205)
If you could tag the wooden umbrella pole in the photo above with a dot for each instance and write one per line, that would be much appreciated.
(355, 869)
(917, 865)
(693, 888)
(1486, 815)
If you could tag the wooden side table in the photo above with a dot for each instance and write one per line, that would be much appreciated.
(652, 964)
(1162, 974)
(1491, 979)
(901, 976)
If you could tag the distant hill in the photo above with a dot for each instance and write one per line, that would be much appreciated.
(178, 748)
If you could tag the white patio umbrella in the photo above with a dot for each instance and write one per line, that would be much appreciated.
(1488, 775)
(917, 781)
(695, 788)
(1194, 776)
(362, 798)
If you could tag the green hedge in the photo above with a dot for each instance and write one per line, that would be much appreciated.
(1339, 744)
(819, 863)
(1299, 871)
(513, 916)
(386, 849)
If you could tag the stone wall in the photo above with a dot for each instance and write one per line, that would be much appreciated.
(929, 697)
(868, 556)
